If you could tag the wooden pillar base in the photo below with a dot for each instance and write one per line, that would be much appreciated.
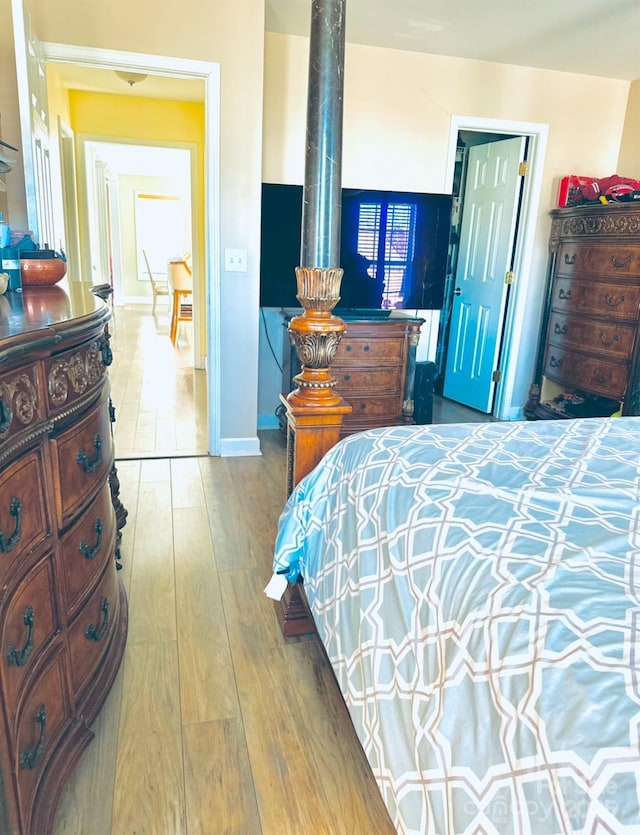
(293, 613)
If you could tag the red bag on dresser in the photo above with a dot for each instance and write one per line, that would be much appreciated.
(576, 190)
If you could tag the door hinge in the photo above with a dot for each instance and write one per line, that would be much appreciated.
(523, 169)
(509, 278)
(496, 376)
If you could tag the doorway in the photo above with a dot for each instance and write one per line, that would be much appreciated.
(205, 295)
(494, 396)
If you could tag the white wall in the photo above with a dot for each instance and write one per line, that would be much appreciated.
(398, 108)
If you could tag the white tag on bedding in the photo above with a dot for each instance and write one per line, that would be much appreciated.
(276, 586)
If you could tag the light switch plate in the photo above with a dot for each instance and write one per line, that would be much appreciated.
(235, 260)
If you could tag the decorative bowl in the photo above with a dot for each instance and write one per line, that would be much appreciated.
(39, 272)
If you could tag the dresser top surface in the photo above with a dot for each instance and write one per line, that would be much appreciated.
(42, 311)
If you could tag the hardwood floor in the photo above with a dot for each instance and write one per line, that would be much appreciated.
(215, 723)
(160, 397)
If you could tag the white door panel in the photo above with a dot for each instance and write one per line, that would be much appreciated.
(486, 245)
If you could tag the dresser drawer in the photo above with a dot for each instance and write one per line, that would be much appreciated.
(368, 408)
(587, 373)
(86, 547)
(602, 260)
(20, 404)
(74, 374)
(611, 338)
(83, 456)
(611, 301)
(370, 380)
(90, 633)
(43, 717)
(365, 351)
(27, 624)
(23, 518)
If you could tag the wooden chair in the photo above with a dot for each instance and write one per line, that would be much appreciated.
(181, 284)
(158, 288)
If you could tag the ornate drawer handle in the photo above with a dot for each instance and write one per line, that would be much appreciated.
(564, 294)
(366, 349)
(347, 348)
(560, 329)
(608, 342)
(620, 265)
(29, 759)
(83, 461)
(7, 544)
(105, 349)
(347, 377)
(613, 302)
(569, 259)
(88, 551)
(5, 417)
(554, 363)
(18, 657)
(97, 633)
(601, 378)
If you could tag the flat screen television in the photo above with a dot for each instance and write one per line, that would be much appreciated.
(393, 249)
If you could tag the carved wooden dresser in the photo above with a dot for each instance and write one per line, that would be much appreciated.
(63, 610)
(374, 368)
(588, 359)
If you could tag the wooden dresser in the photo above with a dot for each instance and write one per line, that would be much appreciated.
(374, 369)
(588, 358)
(63, 611)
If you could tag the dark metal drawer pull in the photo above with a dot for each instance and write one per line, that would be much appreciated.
(97, 633)
(90, 466)
(608, 342)
(29, 759)
(613, 302)
(88, 551)
(8, 543)
(620, 265)
(564, 294)
(569, 260)
(6, 417)
(554, 363)
(560, 329)
(105, 349)
(18, 657)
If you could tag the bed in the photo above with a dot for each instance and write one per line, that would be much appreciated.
(476, 588)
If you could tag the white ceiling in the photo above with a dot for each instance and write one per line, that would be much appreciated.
(592, 37)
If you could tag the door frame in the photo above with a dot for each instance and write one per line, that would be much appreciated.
(503, 406)
(210, 73)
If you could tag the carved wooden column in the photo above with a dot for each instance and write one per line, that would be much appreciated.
(314, 412)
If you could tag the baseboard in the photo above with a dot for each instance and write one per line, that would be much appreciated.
(236, 447)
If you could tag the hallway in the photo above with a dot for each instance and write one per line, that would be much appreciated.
(160, 399)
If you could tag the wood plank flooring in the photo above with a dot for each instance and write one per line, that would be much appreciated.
(215, 724)
(160, 398)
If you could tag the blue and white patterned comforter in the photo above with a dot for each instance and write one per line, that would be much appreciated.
(477, 589)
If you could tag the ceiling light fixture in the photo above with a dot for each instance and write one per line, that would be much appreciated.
(131, 77)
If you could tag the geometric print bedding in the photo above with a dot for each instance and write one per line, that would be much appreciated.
(477, 589)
